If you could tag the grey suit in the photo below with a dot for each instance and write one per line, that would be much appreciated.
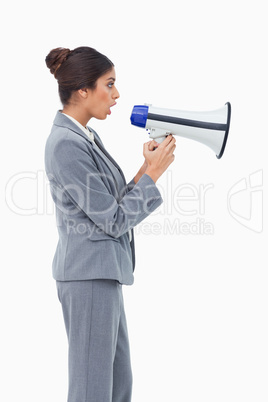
(96, 212)
(95, 207)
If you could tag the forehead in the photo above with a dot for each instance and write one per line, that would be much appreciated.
(109, 75)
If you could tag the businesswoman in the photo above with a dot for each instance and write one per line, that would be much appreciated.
(96, 211)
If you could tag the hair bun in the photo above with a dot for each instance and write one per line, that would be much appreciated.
(56, 57)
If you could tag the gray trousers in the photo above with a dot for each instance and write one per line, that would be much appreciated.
(99, 356)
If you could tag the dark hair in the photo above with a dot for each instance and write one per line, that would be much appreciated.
(76, 69)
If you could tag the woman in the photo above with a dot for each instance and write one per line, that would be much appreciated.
(96, 211)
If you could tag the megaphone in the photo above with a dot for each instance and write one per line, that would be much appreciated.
(209, 128)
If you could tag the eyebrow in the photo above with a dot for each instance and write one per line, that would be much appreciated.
(111, 78)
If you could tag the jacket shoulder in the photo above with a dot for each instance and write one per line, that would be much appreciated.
(61, 134)
(63, 144)
(64, 138)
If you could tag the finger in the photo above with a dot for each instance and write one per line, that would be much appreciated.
(153, 144)
(145, 146)
(166, 141)
(171, 145)
(172, 141)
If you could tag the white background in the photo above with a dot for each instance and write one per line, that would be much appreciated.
(197, 314)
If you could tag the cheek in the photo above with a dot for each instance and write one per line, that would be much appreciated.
(102, 102)
(105, 97)
(104, 94)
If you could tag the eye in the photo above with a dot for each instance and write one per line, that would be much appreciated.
(110, 84)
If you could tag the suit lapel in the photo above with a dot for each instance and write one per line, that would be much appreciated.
(64, 121)
(103, 150)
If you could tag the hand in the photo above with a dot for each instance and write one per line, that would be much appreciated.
(151, 146)
(159, 156)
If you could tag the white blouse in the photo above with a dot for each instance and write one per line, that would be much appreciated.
(84, 129)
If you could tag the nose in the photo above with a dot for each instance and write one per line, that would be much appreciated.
(116, 94)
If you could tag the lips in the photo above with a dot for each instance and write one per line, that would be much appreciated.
(111, 106)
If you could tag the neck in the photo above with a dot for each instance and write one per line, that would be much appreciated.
(77, 114)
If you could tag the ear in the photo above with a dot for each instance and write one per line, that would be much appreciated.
(83, 92)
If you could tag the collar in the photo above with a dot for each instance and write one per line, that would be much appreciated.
(84, 129)
(63, 120)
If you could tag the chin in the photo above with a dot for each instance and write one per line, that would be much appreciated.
(103, 117)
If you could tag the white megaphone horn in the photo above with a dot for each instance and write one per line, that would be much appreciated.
(209, 128)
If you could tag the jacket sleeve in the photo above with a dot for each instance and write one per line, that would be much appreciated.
(77, 176)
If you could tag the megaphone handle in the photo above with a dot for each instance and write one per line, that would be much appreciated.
(160, 139)
(158, 135)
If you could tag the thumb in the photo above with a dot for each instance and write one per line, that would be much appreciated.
(146, 146)
(152, 145)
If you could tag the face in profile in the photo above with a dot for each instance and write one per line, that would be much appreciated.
(103, 96)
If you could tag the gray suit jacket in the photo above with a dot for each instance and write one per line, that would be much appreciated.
(95, 209)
